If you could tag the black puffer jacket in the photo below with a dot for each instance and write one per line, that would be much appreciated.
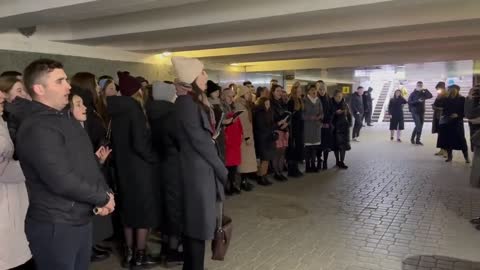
(161, 115)
(63, 178)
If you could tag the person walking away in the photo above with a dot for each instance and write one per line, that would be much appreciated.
(248, 166)
(137, 170)
(395, 110)
(451, 124)
(313, 116)
(202, 172)
(437, 113)
(368, 106)
(65, 184)
(14, 250)
(342, 121)
(358, 110)
(326, 146)
(416, 105)
(161, 116)
(265, 137)
(295, 150)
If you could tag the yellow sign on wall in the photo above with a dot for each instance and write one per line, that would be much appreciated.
(346, 89)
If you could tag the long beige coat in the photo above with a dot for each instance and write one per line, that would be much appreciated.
(14, 250)
(249, 159)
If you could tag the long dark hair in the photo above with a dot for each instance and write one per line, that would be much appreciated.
(198, 96)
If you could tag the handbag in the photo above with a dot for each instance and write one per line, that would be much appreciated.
(444, 120)
(223, 235)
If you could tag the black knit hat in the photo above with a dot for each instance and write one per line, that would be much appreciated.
(440, 85)
(212, 87)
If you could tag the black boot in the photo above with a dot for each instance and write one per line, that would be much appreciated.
(266, 181)
(245, 185)
(142, 260)
(174, 258)
(319, 164)
(412, 139)
(293, 170)
(127, 257)
(99, 255)
(324, 165)
(465, 155)
(449, 156)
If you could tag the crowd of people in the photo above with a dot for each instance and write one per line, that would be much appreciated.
(106, 159)
(122, 160)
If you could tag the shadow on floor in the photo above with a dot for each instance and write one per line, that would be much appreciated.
(432, 262)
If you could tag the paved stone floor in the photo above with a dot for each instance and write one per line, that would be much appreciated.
(396, 207)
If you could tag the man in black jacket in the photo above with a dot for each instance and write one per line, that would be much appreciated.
(368, 106)
(416, 104)
(358, 111)
(65, 184)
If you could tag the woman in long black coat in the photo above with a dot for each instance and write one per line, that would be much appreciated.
(136, 165)
(437, 113)
(161, 116)
(202, 172)
(295, 150)
(395, 109)
(327, 130)
(263, 132)
(451, 124)
(342, 121)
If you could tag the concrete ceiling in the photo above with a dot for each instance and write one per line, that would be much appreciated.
(262, 35)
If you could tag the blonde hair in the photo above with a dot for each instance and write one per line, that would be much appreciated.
(294, 96)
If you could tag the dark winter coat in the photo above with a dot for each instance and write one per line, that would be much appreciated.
(202, 172)
(437, 107)
(295, 150)
(13, 117)
(395, 109)
(161, 115)
(367, 101)
(327, 130)
(136, 163)
(279, 109)
(472, 111)
(452, 134)
(62, 175)
(341, 126)
(356, 104)
(263, 128)
(220, 140)
(416, 101)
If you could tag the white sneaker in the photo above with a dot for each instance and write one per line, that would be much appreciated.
(355, 140)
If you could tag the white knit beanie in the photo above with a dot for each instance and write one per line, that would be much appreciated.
(163, 91)
(187, 69)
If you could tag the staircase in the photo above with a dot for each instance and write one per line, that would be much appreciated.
(430, 85)
(380, 102)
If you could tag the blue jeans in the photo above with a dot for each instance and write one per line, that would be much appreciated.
(419, 119)
(59, 246)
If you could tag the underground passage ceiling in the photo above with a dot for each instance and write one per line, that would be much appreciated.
(262, 35)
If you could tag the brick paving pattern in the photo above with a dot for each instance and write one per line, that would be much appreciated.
(396, 207)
